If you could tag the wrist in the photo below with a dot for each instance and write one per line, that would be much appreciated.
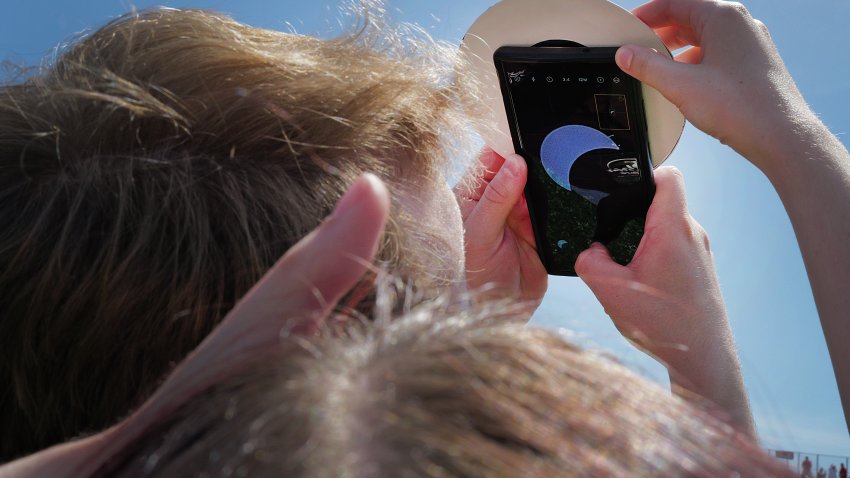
(789, 149)
(701, 344)
(809, 155)
(713, 374)
(703, 369)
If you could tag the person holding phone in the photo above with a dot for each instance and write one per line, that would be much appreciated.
(733, 85)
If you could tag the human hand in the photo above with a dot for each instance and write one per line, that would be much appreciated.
(732, 83)
(667, 300)
(498, 238)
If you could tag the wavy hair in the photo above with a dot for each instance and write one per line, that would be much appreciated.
(159, 166)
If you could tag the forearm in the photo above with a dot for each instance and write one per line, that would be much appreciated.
(711, 370)
(811, 174)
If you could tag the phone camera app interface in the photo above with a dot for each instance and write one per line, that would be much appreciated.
(587, 173)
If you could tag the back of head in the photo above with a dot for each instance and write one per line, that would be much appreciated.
(155, 170)
(431, 394)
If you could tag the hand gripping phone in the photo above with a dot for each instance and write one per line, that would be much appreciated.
(578, 120)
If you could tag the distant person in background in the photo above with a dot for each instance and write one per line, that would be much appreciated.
(833, 472)
(842, 472)
(807, 468)
(821, 473)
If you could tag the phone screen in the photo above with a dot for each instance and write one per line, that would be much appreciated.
(578, 121)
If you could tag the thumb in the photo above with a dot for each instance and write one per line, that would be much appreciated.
(314, 274)
(670, 77)
(597, 269)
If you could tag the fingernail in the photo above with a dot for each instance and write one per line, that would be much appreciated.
(624, 57)
(511, 165)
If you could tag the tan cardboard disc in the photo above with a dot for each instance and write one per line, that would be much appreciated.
(528, 22)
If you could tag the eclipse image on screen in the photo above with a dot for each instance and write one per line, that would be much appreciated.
(564, 146)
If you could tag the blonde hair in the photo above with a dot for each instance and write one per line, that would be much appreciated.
(441, 392)
(155, 170)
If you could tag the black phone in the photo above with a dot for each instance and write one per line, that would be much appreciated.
(579, 122)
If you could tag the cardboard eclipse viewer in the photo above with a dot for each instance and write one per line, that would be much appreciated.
(591, 23)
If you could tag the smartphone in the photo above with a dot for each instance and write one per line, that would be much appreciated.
(579, 122)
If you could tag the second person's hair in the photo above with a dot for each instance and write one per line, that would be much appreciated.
(442, 393)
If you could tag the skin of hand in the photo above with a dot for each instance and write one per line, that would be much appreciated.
(733, 85)
(667, 301)
(293, 299)
(498, 239)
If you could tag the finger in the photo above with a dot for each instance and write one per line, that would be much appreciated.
(308, 281)
(300, 290)
(664, 13)
(479, 176)
(490, 161)
(692, 55)
(534, 280)
(671, 78)
(519, 221)
(670, 202)
(487, 221)
(675, 37)
(597, 269)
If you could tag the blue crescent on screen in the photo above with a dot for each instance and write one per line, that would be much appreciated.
(563, 146)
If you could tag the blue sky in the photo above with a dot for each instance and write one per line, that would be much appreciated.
(783, 353)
